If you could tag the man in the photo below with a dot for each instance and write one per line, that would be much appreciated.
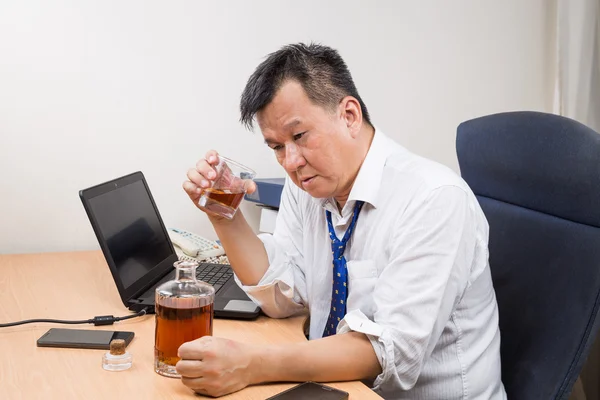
(387, 251)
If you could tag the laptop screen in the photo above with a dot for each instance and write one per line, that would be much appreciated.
(132, 230)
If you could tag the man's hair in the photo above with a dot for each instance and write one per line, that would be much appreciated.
(320, 70)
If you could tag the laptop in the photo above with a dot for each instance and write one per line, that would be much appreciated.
(139, 253)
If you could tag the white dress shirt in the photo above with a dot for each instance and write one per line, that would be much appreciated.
(418, 275)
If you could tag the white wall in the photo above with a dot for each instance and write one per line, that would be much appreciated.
(91, 90)
(577, 39)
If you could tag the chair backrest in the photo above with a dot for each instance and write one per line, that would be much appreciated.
(537, 178)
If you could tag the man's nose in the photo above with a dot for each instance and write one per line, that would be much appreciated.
(293, 158)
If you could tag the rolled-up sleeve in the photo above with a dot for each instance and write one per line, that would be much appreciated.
(431, 253)
(281, 291)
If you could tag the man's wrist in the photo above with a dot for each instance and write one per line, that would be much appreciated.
(266, 364)
(219, 221)
(260, 365)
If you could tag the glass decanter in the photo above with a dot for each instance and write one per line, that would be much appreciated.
(184, 312)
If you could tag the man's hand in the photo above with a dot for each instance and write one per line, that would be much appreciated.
(202, 176)
(237, 237)
(214, 366)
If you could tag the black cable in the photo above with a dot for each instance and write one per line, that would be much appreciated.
(98, 320)
(52, 321)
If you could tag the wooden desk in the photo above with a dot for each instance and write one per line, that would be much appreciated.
(79, 286)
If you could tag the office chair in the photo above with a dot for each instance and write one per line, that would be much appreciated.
(537, 178)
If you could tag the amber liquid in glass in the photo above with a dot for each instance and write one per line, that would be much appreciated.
(175, 326)
(222, 202)
(225, 197)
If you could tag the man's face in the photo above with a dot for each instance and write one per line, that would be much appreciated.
(310, 142)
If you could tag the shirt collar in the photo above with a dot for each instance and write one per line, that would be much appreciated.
(367, 184)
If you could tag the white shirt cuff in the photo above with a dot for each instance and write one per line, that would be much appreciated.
(356, 321)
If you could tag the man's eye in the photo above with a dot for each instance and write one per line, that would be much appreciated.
(299, 136)
(277, 147)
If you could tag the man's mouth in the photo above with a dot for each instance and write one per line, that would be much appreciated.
(308, 180)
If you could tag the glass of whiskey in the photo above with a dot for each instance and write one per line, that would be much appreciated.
(228, 188)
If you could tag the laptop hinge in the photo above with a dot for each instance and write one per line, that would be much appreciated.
(135, 298)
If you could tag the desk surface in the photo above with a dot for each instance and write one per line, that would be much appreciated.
(79, 286)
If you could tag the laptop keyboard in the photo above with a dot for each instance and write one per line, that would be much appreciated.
(214, 274)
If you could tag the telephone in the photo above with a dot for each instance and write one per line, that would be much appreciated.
(191, 246)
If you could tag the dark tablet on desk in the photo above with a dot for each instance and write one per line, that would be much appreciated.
(82, 338)
(311, 391)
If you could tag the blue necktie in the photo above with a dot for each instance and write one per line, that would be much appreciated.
(339, 292)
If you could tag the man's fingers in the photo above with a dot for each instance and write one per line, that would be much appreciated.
(212, 157)
(196, 177)
(190, 369)
(251, 187)
(194, 350)
(203, 392)
(193, 383)
(204, 387)
(205, 170)
(191, 189)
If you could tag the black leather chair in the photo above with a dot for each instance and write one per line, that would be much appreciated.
(537, 178)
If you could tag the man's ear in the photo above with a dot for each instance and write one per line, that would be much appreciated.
(351, 114)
